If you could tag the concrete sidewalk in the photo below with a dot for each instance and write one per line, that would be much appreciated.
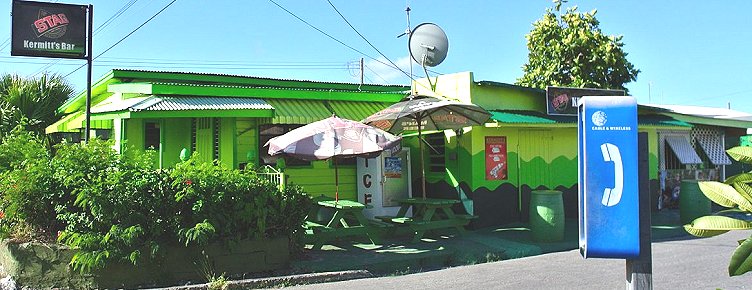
(348, 259)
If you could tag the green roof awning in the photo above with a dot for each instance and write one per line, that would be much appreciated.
(69, 123)
(661, 120)
(534, 117)
(530, 117)
(297, 111)
(356, 111)
(294, 111)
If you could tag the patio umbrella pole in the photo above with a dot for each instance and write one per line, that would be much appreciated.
(422, 161)
(336, 180)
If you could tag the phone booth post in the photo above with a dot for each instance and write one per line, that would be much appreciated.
(382, 180)
(608, 177)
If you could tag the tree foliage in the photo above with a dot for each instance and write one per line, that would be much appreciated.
(571, 50)
(33, 99)
(734, 193)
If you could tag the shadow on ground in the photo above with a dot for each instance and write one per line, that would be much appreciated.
(399, 256)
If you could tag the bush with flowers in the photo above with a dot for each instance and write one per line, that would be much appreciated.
(115, 207)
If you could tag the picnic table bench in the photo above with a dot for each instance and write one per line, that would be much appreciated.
(428, 214)
(347, 220)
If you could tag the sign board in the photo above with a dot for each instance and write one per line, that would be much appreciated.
(608, 177)
(564, 101)
(48, 30)
(496, 158)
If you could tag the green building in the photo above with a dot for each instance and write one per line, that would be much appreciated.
(541, 149)
(492, 169)
(221, 117)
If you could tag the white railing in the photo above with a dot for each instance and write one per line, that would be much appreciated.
(274, 176)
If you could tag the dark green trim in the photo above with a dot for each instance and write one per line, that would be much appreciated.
(100, 87)
(277, 93)
(510, 86)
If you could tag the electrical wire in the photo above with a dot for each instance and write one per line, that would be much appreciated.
(375, 73)
(369, 43)
(127, 35)
(328, 35)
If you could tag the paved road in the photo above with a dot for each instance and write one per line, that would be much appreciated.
(683, 264)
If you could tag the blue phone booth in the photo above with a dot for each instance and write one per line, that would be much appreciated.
(608, 177)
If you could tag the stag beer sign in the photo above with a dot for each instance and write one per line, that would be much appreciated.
(48, 30)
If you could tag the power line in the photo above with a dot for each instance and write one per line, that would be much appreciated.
(375, 73)
(126, 36)
(369, 43)
(324, 33)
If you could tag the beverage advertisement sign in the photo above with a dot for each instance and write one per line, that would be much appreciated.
(48, 30)
(496, 158)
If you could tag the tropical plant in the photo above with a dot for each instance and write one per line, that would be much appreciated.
(114, 207)
(35, 99)
(571, 50)
(734, 193)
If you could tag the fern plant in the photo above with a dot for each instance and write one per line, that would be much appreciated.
(734, 193)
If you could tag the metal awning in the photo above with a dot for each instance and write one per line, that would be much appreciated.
(183, 103)
(294, 111)
(713, 149)
(297, 111)
(530, 117)
(683, 150)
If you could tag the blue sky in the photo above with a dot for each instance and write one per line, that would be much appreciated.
(689, 52)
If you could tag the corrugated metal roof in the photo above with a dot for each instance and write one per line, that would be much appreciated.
(660, 120)
(183, 103)
(229, 78)
(711, 144)
(294, 111)
(356, 110)
(237, 86)
(683, 150)
(162, 103)
(530, 117)
(534, 117)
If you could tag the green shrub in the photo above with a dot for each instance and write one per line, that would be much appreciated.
(116, 207)
(29, 193)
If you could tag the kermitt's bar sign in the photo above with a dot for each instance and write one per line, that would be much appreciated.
(48, 30)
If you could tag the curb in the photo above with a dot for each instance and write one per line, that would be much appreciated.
(276, 282)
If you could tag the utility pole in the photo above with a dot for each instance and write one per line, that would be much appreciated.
(361, 71)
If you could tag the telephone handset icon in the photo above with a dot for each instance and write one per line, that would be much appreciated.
(612, 196)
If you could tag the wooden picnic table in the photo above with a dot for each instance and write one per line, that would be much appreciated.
(346, 221)
(428, 214)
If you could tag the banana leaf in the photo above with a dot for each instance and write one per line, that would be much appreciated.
(724, 195)
(741, 154)
(708, 226)
(736, 213)
(741, 260)
(745, 191)
(741, 177)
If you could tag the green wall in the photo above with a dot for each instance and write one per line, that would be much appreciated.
(227, 141)
(176, 133)
(246, 132)
(318, 179)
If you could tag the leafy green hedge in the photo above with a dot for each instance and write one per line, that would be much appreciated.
(116, 207)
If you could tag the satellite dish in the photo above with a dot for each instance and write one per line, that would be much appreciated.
(428, 44)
